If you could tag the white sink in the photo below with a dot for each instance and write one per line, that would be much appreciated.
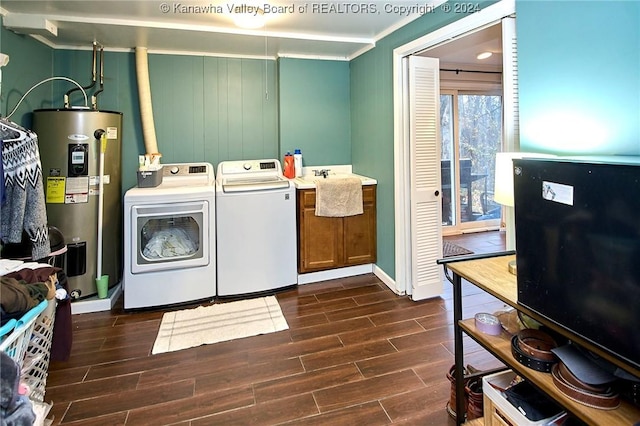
(308, 181)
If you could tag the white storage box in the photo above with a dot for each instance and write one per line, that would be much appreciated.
(500, 412)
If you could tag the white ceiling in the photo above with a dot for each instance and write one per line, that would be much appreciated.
(463, 51)
(328, 29)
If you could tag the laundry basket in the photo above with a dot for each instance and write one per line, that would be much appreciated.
(5, 332)
(38, 353)
(17, 339)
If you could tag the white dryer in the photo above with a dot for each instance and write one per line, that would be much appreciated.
(169, 238)
(255, 227)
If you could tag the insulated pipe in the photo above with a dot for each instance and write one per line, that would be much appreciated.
(94, 98)
(144, 93)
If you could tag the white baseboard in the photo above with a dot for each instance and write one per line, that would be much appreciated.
(350, 271)
(93, 304)
(385, 278)
(332, 274)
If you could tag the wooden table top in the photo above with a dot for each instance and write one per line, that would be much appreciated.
(490, 274)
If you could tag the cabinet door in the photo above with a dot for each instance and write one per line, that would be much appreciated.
(360, 231)
(319, 238)
(321, 242)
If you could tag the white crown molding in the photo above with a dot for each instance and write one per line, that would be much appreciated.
(316, 57)
(393, 28)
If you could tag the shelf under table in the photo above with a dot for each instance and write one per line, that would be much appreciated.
(500, 346)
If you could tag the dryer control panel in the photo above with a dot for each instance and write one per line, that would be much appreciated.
(187, 174)
(250, 167)
(189, 169)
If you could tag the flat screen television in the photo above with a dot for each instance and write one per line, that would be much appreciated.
(578, 249)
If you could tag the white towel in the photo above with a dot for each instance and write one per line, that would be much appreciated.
(339, 197)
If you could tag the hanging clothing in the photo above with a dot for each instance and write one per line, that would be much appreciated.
(23, 208)
(1, 180)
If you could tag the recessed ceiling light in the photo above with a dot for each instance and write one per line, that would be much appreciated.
(484, 55)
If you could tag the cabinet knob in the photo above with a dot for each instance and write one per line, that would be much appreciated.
(437, 193)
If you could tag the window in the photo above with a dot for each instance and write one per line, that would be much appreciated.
(471, 129)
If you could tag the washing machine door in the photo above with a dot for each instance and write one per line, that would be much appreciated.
(170, 236)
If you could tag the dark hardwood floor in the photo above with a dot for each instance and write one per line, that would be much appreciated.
(355, 353)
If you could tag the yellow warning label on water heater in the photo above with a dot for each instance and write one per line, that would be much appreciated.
(55, 190)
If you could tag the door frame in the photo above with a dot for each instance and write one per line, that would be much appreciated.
(489, 16)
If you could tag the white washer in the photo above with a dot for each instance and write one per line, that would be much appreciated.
(169, 238)
(255, 227)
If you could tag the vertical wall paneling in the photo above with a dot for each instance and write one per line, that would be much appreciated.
(253, 106)
(270, 102)
(177, 96)
(211, 111)
(239, 122)
(252, 95)
(76, 65)
(234, 106)
(315, 110)
(220, 114)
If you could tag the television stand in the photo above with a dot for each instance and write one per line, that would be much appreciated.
(490, 273)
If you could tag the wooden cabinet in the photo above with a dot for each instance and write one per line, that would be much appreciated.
(334, 242)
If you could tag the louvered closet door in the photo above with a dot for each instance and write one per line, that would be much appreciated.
(426, 214)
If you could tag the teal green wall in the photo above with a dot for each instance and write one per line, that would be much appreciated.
(315, 110)
(204, 108)
(23, 71)
(579, 76)
(241, 109)
(372, 122)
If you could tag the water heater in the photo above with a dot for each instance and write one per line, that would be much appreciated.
(69, 144)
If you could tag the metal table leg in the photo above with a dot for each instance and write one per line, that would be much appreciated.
(458, 349)
(456, 281)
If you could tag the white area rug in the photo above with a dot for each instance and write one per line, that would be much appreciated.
(216, 323)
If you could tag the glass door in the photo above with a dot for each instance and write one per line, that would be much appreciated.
(471, 128)
(170, 236)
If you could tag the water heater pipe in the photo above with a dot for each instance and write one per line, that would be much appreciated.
(94, 97)
(144, 93)
(67, 103)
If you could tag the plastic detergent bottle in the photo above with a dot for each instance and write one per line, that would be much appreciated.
(297, 161)
(289, 168)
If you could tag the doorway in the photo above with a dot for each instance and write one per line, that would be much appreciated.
(405, 235)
